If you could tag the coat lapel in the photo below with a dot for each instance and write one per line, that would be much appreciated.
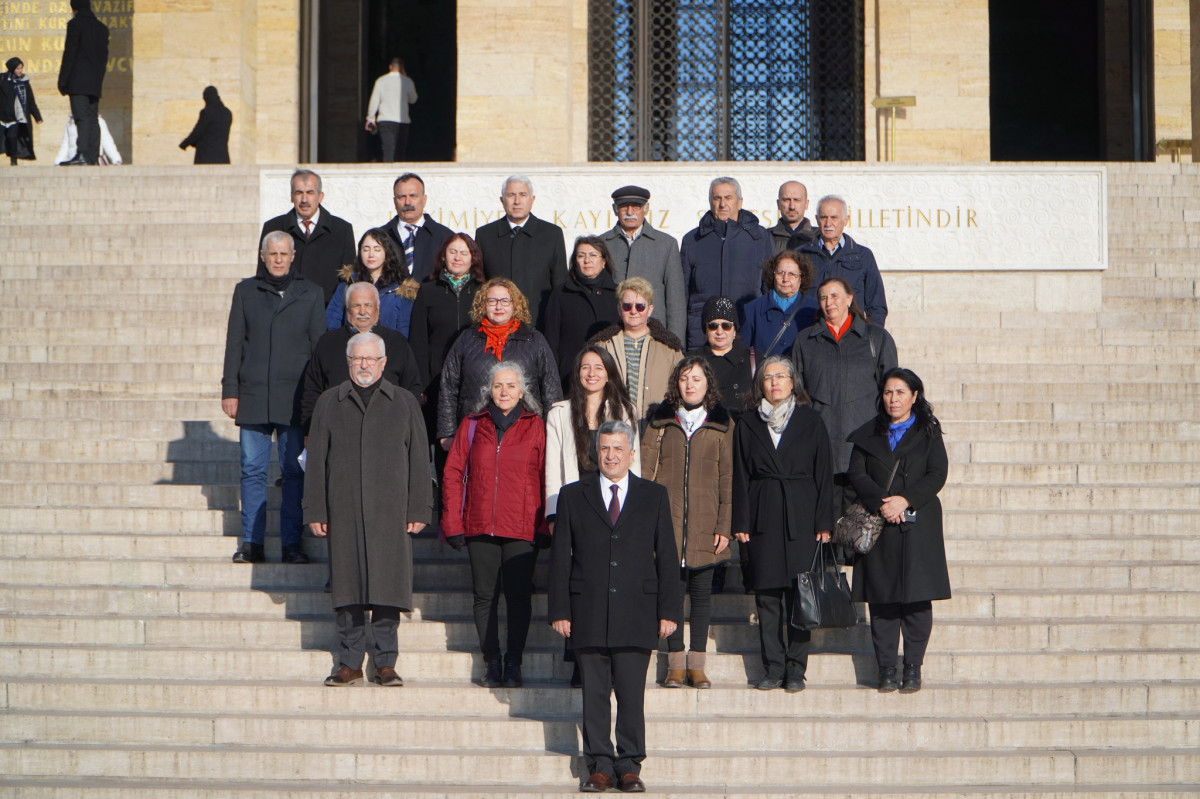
(760, 429)
(590, 485)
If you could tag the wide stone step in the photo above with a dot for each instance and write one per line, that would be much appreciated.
(737, 636)
(386, 765)
(555, 700)
(1110, 452)
(665, 734)
(1070, 392)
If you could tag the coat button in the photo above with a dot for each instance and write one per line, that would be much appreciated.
(614, 538)
(612, 590)
(612, 563)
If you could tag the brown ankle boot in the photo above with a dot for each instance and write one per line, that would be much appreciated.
(675, 670)
(695, 670)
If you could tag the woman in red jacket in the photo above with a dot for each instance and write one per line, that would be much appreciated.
(493, 495)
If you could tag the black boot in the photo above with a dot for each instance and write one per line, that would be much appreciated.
(512, 675)
(294, 553)
(912, 679)
(491, 678)
(249, 553)
(887, 680)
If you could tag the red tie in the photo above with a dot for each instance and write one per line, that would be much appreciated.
(307, 228)
(614, 507)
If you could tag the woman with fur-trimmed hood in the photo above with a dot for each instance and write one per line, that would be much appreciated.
(381, 263)
(645, 351)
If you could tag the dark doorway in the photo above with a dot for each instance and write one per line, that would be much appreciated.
(355, 42)
(1072, 80)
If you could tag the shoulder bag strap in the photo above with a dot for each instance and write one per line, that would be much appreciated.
(788, 321)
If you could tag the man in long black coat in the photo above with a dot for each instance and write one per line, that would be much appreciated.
(614, 591)
(210, 137)
(328, 366)
(81, 78)
(324, 242)
(418, 235)
(528, 251)
(368, 484)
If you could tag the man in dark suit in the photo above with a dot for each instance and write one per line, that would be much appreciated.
(418, 235)
(528, 251)
(81, 76)
(614, 591)
(324, 243)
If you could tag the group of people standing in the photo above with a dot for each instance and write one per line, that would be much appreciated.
(543, 395)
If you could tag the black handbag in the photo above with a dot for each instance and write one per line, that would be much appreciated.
(822, 598)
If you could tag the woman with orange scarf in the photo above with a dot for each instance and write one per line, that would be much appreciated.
(504, 332)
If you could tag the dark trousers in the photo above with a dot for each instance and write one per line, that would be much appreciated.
(502, 564)
(86, 110)
(790, 661)
(605, 672)
(351, 621)
(915, 619)
(393, 138)
(697, 586)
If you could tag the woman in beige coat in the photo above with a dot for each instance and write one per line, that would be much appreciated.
(644, 350)
(688, 447)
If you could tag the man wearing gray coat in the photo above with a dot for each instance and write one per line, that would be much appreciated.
(637, 249)
(368, 483)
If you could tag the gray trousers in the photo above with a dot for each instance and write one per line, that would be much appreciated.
(351, 622)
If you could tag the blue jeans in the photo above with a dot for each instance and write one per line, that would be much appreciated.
(256, 459)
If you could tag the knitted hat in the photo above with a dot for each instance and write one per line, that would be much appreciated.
(719, 308)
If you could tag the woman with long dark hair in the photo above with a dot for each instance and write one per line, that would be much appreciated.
(382, 264)
(906, 570)
(688, 447)
(583, 305)
(782, 506)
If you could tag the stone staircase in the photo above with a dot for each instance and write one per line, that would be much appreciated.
(137, 661)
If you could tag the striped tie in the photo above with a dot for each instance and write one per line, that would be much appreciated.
(408, 246)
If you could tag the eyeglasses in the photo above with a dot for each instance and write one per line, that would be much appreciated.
(629, 307)
(366, 360)
(502, 302)
(775, 377)
(726, 326)
(790, 275)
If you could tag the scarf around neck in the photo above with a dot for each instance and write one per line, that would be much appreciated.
(777, 416)
(497, 335)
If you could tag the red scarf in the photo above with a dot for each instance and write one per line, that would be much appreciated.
(837, 334)
(497, 335)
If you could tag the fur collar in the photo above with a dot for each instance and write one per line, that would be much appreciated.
(658, 332)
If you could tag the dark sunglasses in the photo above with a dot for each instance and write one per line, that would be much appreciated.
(726, 326)
(640, 307)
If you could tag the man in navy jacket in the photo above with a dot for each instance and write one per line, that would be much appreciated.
(723, 256)
(837, 255)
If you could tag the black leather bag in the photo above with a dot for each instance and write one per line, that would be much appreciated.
(822, 599)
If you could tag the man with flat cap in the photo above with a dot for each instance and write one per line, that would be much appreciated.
(637, 249)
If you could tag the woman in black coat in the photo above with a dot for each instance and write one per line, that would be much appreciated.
(726, 353)
(210, 137)
(504, 332)
(582, 306)
(18, 108)
(441, 311)
(782, 506)
(906, 570)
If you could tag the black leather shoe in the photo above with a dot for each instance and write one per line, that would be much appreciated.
(793, 685)
(768, 683)
(491, 677)
(512, 676)
(294, 554)
(249, 553)
(78, 160)
(912, 679)
(887, 680)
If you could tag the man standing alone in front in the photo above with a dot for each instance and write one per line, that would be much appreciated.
(81, 76)
(614, 591)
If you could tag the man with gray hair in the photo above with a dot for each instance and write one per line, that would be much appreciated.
(528, 251)
(274, 323)
(614, 591)
(328, 366)
(324, 243)
(368, 484)
(837, 255)
(723, 256)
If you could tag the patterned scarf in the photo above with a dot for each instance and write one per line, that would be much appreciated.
(776, 416)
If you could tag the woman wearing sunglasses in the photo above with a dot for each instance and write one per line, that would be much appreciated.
(725, 352)
(644, 350)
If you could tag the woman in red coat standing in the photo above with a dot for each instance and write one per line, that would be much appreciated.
(493, 495)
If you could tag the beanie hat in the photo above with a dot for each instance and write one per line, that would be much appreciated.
(718, 308)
